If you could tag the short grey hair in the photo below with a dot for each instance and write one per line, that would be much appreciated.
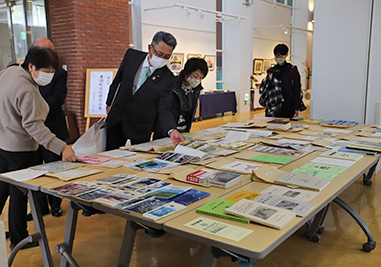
(165, 37)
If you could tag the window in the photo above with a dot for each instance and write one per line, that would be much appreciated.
(21, 22)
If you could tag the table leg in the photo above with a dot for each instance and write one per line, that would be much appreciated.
(208, 259)
(211, 254)
(371, 244)
(366, 180)
(315, 228)
(40, 227)
(65, 249)
(127, 243)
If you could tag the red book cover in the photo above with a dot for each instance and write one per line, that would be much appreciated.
(198, 177)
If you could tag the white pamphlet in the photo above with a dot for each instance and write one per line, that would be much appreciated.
(24, 175)
(241, 166)
(111, 163)
(149, 145)
(234, 136)
(258, 133)
(289, 142)
(117, 153)
(302, 181)
(370, 140)
(342, 155)
(218, 228)
(299, 207)
(261, 213)
(297, 194)
(331, 161)
(337, 131)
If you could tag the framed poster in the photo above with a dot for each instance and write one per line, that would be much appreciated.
(193, 55)
(98, 82)
(257, 66)
(266, 65)
(210, 61)
(176, 62)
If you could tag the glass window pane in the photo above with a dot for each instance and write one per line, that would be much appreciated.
(5, 40)
(19, 31)
(37, 19)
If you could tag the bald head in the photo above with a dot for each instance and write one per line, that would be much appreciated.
(43, 42)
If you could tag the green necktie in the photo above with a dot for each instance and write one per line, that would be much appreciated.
(145, 76)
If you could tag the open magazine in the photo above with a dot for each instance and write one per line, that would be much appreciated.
(198, 150)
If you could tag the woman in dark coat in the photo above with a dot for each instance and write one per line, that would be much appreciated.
(187, 91)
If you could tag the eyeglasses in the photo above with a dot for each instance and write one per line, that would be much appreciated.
(160, 54)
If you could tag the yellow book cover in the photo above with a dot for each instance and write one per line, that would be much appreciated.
(243, 195)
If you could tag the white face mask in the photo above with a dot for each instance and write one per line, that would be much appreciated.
(157, 62)
(193, 82)
(43, 78)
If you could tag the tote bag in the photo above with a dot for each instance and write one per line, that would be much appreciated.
(92, 141)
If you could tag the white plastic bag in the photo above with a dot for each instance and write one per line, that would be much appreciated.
(92, 141)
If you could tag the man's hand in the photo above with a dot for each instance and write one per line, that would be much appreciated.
(68, 154)
(296, 113)
(107, 109)
(176, 137)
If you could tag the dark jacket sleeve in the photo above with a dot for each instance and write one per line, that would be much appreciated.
(57, 97)
(296, 88)
(165, 120)
(117, 80)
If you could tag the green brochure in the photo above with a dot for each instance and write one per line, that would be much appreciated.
(216, 208)
(273, 159)
(324, 167)
(316, 173)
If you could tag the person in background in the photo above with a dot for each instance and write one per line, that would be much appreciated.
(22, 115)
(187, 92)
(280, 89)
(54, 94)
(140, 95)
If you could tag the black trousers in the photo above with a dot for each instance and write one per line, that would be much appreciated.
(12, 161)
(115, 136)
(44, 155)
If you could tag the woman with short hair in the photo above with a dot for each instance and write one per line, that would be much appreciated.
(22, 115)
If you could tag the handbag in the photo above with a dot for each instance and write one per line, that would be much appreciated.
(302, 107)
(94, 140)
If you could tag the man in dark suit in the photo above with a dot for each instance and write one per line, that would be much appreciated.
(54, 94)
(139, 99)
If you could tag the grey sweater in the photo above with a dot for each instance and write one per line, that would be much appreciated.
(22, 114)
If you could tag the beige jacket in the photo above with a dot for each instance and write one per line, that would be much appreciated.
(22, 114)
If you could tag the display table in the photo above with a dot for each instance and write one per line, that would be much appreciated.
(256, 246)
(217, 102)
(264, 240)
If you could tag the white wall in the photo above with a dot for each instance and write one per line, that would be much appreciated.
(299, 41)
(341, 34)
(241, 41)
(373, 115)
(193, 34)
(237, 57)
(265, 39)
